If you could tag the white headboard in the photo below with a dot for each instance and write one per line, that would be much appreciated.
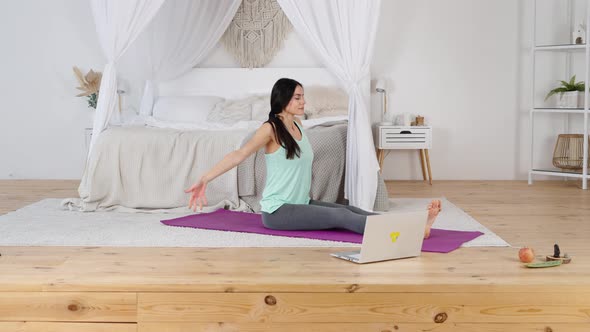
(239, 82)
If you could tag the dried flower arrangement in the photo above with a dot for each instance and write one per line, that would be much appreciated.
(89, 84)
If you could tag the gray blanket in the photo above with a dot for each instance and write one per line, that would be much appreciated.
(329, 147)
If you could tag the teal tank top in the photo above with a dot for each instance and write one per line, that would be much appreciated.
(288, 181)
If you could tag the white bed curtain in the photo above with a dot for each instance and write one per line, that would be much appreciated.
(179, 37)
(343, 32)
(118, 23)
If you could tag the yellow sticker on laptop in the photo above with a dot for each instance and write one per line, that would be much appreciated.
(394, 236)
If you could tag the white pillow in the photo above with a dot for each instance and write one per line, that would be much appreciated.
(191, 109)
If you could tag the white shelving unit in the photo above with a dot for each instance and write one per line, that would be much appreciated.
(570, 48)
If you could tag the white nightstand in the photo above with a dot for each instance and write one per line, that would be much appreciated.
(402, 137)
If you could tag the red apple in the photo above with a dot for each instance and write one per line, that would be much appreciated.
(526, 255)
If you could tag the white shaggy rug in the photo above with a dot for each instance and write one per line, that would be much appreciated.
(45, 224)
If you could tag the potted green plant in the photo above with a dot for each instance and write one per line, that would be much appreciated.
(571, 94)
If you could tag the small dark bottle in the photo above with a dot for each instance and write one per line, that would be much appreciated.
(556, 251)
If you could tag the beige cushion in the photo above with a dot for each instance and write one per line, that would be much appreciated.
(260, 107)
(322, 101)
(328, 113)
(231, 111)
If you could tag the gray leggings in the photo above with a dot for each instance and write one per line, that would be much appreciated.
(316, 215)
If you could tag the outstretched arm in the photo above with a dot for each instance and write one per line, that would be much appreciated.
(262, 136)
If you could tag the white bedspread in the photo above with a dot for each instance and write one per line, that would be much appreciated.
(120, 174)
(240, 125)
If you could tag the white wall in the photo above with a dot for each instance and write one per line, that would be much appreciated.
(456, 63)
(463, 64)
(41, 123)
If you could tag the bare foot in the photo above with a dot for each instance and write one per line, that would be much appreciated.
(433, 209)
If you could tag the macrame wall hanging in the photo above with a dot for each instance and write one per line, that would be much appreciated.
(257, 32)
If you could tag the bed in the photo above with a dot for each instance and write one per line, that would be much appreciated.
(196, 120)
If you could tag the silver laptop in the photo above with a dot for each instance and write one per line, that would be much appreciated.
(390, 236)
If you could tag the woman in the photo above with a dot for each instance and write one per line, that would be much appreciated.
(285, 203)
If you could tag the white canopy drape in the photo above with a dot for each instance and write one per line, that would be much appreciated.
(180, 36)
(343, 32)
(118, 23)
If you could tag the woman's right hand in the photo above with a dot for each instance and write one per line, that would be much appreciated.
(197, 197)
(262, 136)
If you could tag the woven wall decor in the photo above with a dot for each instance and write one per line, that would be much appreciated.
(257, 32)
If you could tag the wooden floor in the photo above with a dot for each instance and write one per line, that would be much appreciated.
(304, 289)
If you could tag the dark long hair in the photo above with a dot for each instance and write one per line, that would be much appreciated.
(281, 95)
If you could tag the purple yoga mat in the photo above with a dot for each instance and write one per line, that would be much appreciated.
(440, 240)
